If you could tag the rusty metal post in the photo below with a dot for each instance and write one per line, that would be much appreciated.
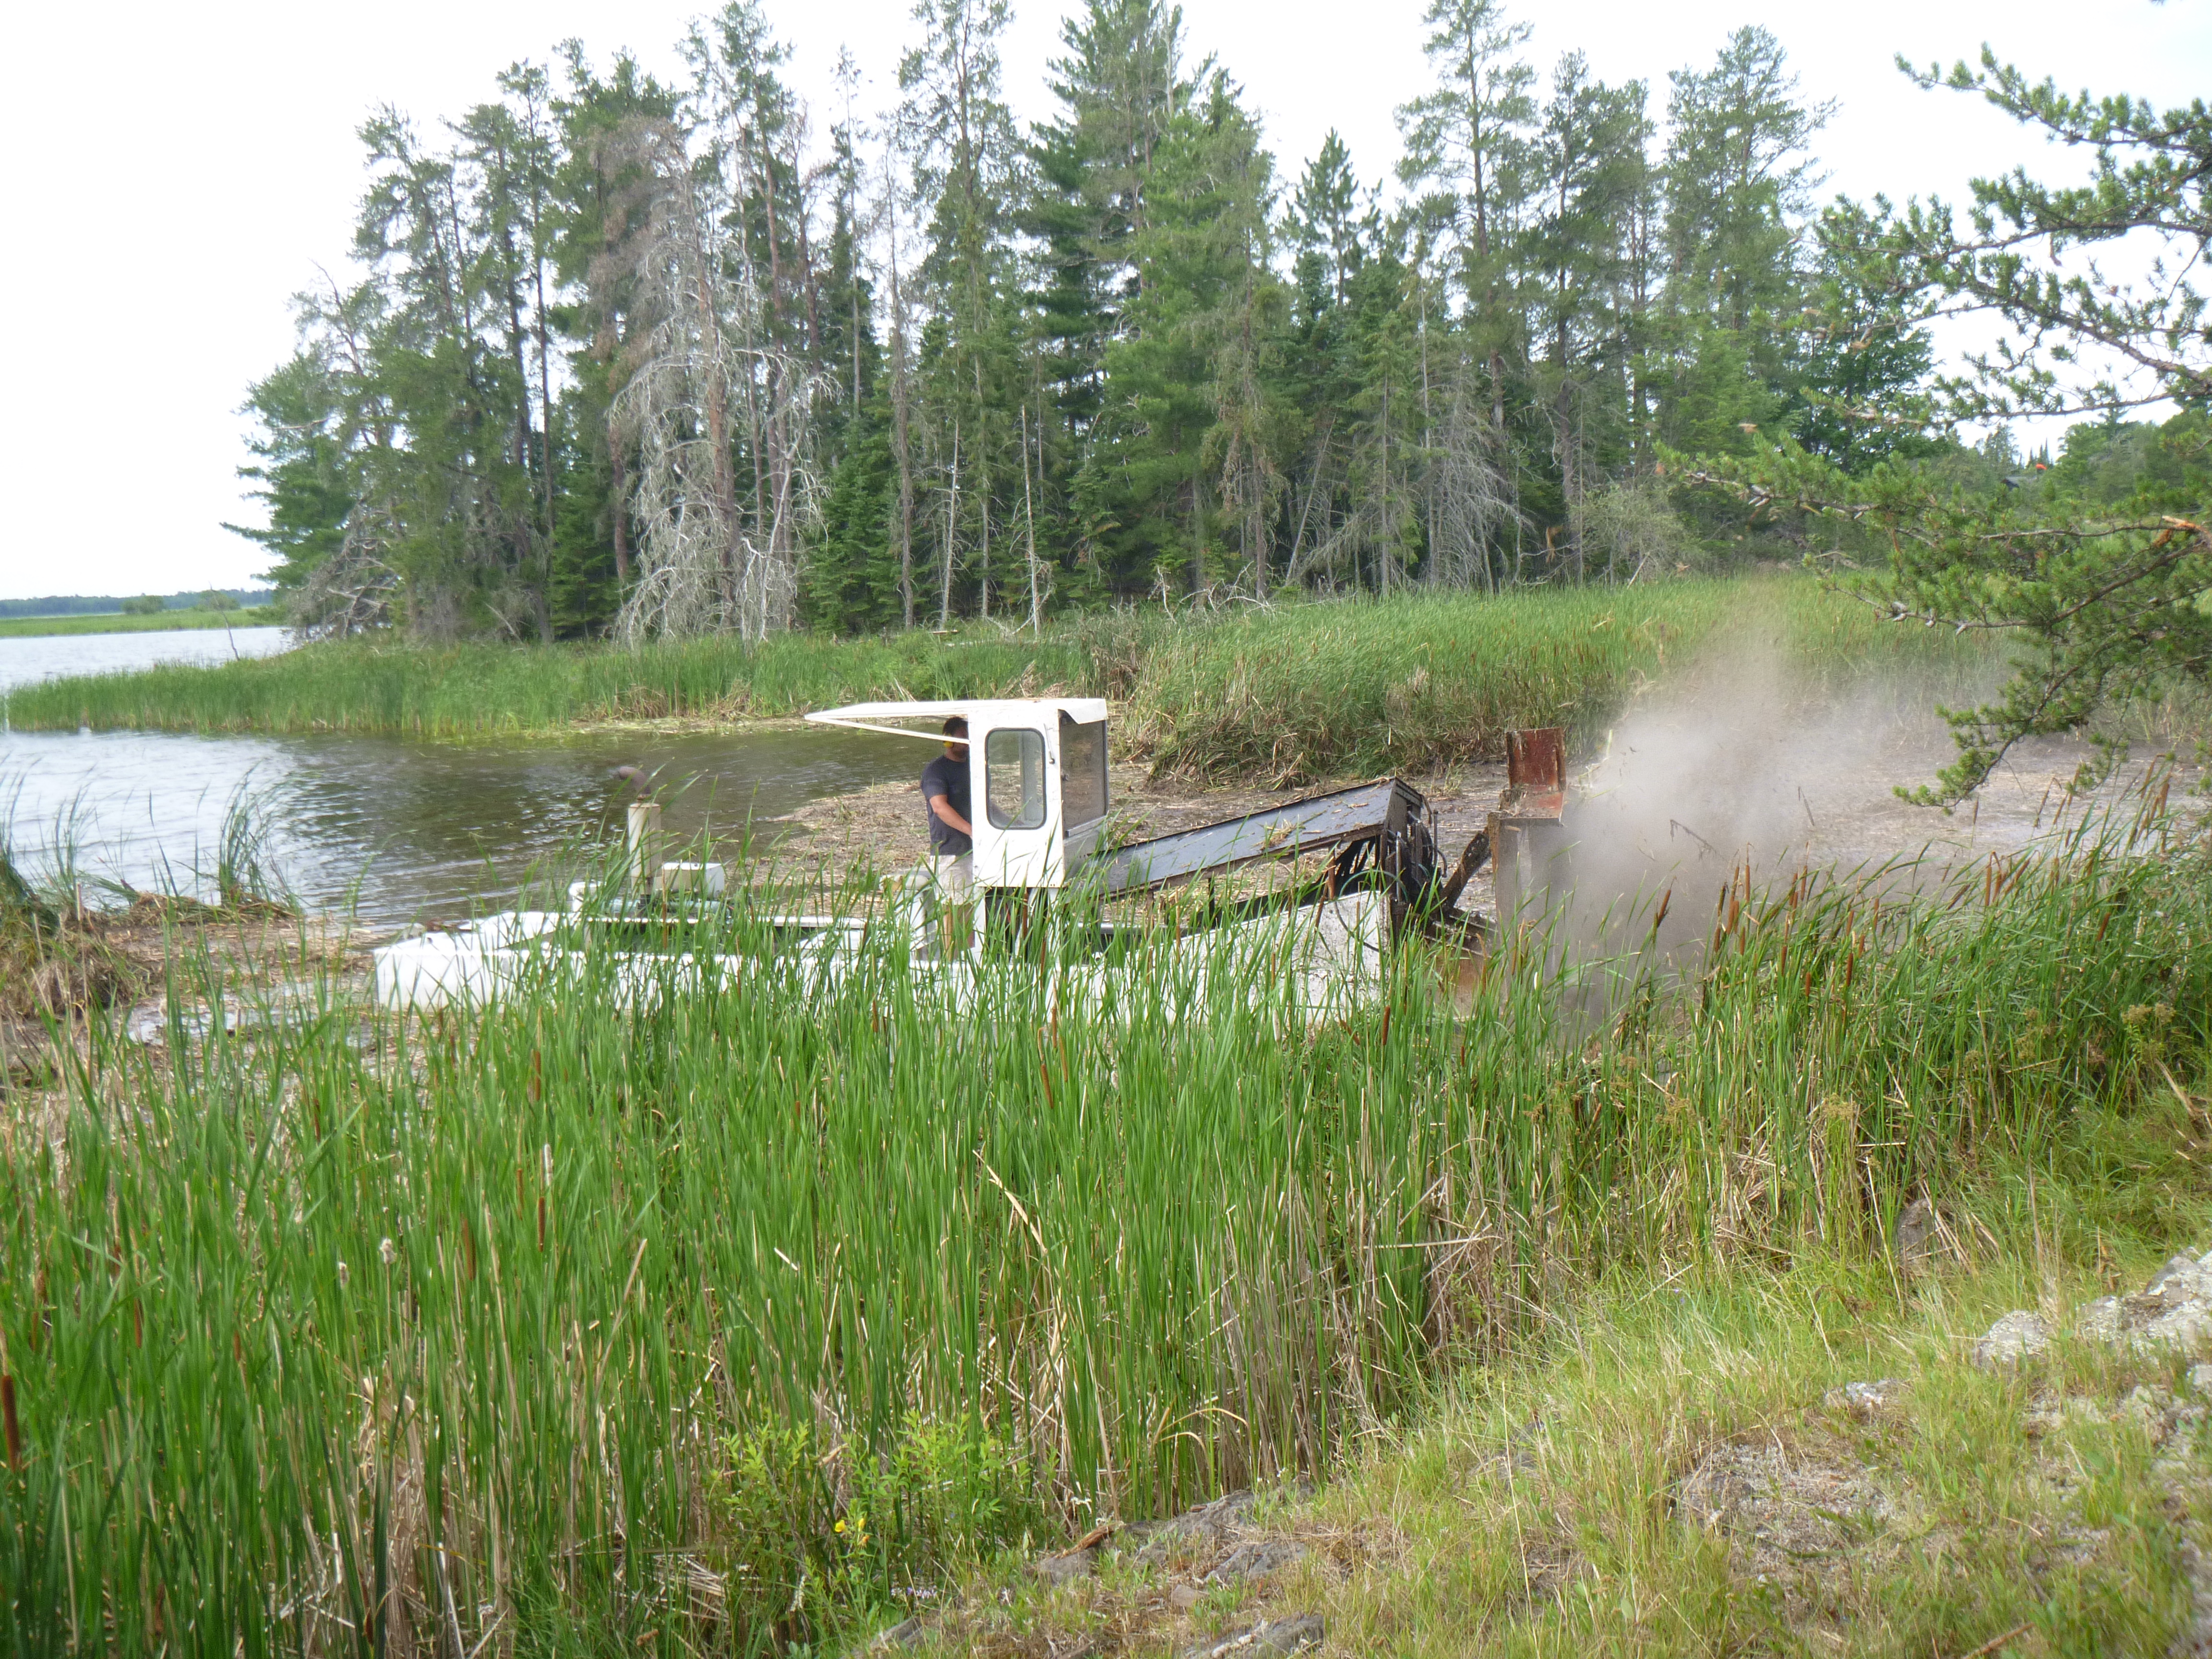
(1536, 762)
(1528, 824)
(1505, 871)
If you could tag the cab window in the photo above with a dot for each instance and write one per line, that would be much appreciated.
(1082, 772)
(1014, 778)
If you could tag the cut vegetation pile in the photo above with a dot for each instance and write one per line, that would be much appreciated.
(746, 1321)
(54, 966)
(1287, 694)
(66, 962)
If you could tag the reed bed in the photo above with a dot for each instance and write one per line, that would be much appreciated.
(731, 1322)
(1419, 684)
(1283, 695)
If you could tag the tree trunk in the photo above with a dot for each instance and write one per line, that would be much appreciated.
(951, 521)
(619, 512)
(1028, 517)
(901, 446)
(718, 433)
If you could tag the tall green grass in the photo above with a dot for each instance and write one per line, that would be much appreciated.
(1305, 692)
(715, 1325)
(1290, 693)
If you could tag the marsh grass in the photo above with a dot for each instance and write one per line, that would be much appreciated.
(1282, 696)
(247, 879)
(17, 628)
(720, 1320)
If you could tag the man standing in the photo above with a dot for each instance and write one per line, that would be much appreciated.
(945, 791)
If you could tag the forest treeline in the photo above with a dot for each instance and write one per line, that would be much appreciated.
(651, 359)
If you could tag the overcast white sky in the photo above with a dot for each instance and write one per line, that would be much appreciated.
(181, 171)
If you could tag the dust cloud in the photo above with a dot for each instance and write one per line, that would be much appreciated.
(1742, 766)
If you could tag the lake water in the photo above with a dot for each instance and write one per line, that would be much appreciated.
(403, 829)
(44, 656)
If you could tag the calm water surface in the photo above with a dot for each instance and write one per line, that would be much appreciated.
(44, 656)
(402, 829)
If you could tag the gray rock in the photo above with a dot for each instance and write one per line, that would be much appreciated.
(2188, 1327)
(1258, 1559)
(2146, 1407)
(2050, 1417)
(1206, 1527)
(1918, 1230)
(2101, 1320)
(2181, 1279)
(1864, 1400)
(2152, 1407)
(2200, 1378)
(2195, 1643)
(1777, 1508)
(1300, 1635)
(2174, 1310)
(907, 1633)
(2018, 1335)
(1067, 1566)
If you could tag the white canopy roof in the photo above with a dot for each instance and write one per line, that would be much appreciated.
(1040, 713)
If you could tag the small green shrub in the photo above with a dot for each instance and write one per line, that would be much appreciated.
(816, 1533)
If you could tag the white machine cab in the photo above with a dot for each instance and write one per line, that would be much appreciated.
(1037, 777)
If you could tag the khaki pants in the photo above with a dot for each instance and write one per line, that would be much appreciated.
(954, 878)
(952, 883)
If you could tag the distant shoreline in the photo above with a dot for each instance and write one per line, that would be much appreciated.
(17, 628)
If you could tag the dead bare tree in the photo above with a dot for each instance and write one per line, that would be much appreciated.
(708, 562)
(353, 591)
(1472, 500)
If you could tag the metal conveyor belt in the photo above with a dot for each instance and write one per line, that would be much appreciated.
(1310, 825)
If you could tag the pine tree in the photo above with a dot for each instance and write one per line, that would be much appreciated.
(598, 188)
(1199, 237)
(955, 128)
(302, 469)
(2103, 599)
(1467, 143)
(1587, 172)
(1739, 174)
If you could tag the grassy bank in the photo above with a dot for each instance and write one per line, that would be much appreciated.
(17, 628)
(1677, 1466)
(1290, 693)
(741, 1323)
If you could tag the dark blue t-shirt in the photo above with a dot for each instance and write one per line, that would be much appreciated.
(947, 777)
